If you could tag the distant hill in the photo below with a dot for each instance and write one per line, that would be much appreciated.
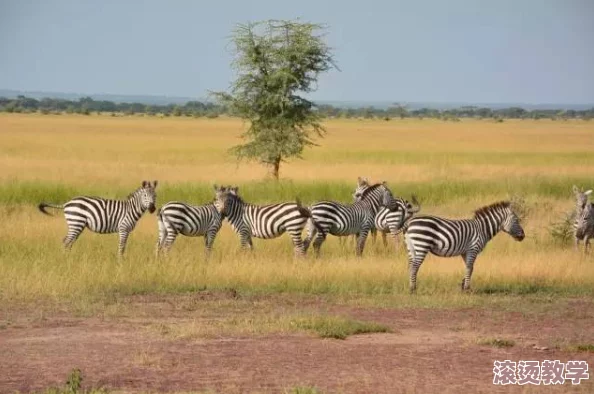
(164, 100)
(116, 98)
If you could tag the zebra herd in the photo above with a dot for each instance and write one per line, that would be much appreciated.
(374, 209)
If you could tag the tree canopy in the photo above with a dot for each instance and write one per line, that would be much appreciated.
(277, 62)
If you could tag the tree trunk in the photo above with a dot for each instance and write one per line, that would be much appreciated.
(276, 167)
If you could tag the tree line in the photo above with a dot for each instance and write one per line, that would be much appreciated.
(87, 105)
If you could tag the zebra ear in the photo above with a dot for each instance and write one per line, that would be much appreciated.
(144, 183)
(215, 187)
(155, 184)
(361, 181)
(235, 189)
(588, 192)
(575, 189)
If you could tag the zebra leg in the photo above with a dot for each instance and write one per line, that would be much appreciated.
(209, 241)
(373, 235)
(246, 242)
(384, 239)
(413, 269)
(415, 259)
(297, 243)
(162, 235)
(469, 259)
(577, 243)
(586, 243)
(73, 233)
(311, 233)
(122, 244)
(169, 240)
(317, 244)
(361, 241)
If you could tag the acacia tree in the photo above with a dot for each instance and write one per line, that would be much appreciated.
(276, 63)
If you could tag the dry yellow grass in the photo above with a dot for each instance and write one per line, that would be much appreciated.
(105, 150)
(105, 153)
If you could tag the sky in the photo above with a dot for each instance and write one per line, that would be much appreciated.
(474, 51)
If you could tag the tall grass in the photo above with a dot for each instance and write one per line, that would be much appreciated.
(453, 168)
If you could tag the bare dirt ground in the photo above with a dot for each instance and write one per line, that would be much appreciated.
(429, 350)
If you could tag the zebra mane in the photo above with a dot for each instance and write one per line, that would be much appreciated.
(370, 189)
(489, 208)
(129, 196)
(234, 196)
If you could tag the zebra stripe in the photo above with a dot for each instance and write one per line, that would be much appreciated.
(262, 221)
(105, 216)
(581, 200)
(466, 238)
(585, 225)
(192, 221)
(330, 217)
(388, 221)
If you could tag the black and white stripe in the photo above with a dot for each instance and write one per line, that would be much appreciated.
(105, 216)
(388, 221)
(262, 221)
(581, 202)
(466, 238)
(330, 217)
(190, 220)
(585, 225)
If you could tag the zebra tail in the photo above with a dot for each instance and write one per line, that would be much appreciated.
(307, 213)
(44, 205)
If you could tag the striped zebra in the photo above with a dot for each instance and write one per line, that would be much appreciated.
(466, 238)
(105, 216)
(330, 217)
(581, 201)
(585, 225)
(388, 221)
(176, 218)
(262, 221)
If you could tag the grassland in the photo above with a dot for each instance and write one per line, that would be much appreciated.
(453, 168)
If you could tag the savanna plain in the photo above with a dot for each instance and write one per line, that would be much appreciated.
(264, 321)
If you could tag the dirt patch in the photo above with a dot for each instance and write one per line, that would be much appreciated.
(428, 351)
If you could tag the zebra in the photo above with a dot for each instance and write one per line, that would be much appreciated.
(581, 200)
(177, 217)
(262, 221)
(387, 221)
(585, 225)
(329, 217)
(105, 216)
(466, 237)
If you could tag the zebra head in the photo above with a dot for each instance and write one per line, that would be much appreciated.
(584, 220)
(147, 196)
(379, 195)
(220, 200)
(581, 198)
(362, 185)
(396, 202)
(411, 208)
(511, 222)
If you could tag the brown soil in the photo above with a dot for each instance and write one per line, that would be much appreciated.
(429, 350)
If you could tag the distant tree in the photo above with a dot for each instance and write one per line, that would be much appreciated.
(276, 61)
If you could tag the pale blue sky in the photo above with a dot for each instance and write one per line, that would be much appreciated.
(528, 51)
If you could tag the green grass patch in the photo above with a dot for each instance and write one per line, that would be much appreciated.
(303, 390)
(15, 192)
(73, 385)
(495, 342)
(339, 327)
(581, 347)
